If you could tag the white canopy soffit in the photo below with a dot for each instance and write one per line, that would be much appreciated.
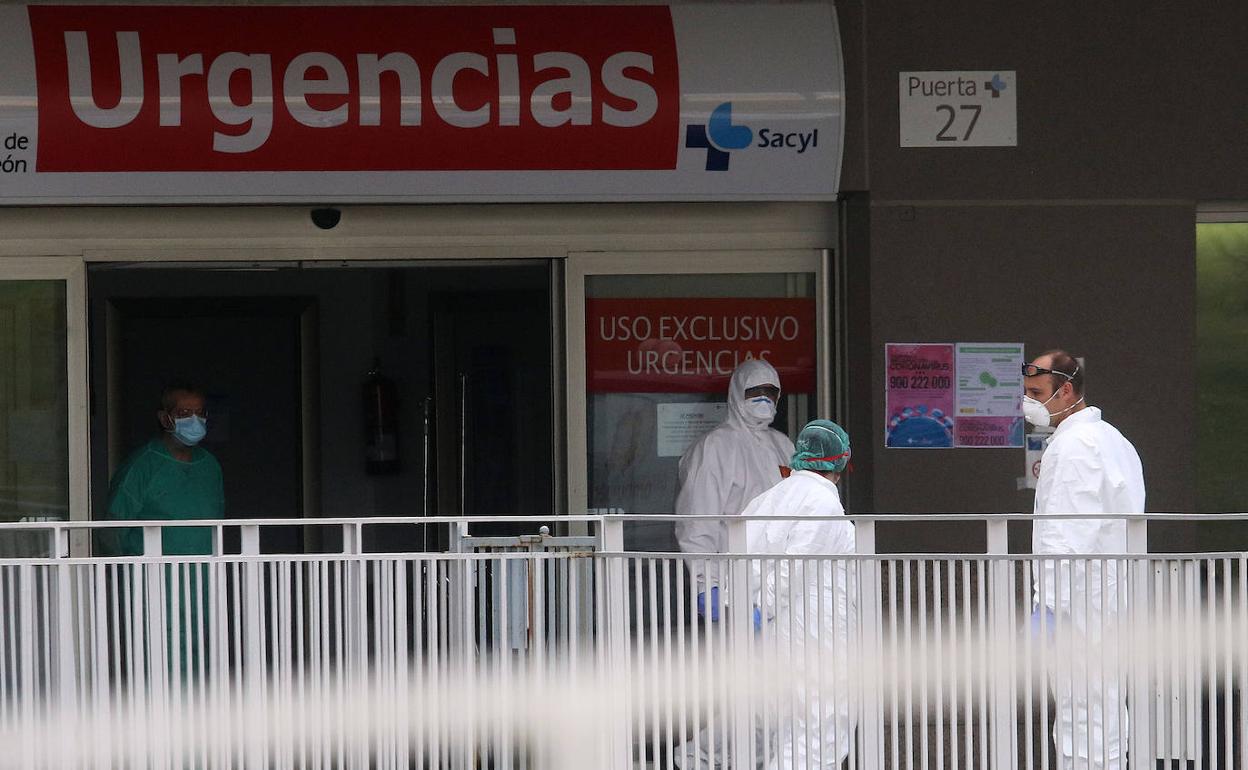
(392, 104)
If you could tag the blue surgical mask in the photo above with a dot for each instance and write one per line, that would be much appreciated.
(190, 430)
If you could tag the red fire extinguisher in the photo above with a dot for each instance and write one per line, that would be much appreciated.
(381, 422)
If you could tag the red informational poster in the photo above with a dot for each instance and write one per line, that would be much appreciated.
(919, 396)
(989, 431)
(693, 345)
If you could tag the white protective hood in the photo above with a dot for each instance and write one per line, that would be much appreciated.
(749, 374)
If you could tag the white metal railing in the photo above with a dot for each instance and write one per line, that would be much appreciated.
(571, 651)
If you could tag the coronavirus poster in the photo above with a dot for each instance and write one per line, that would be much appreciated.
(989, 395)
(919, 396)
(943, 395)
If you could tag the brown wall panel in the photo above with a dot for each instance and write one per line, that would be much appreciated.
(1112, 283)
(850, 17)
(1115, 101)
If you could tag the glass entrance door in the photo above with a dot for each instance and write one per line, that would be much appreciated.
(43, 473)
(652, 342)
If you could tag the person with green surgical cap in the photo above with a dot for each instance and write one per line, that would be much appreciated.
(170, 478)
(809, 605)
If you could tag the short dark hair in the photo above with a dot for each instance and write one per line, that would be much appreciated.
(167, 401)
(1061, 361)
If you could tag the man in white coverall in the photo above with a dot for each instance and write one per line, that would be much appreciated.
(1088, 467)
(726, 469)
(809, 605)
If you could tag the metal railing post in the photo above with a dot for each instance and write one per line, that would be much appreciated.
(458, 532)
(617, 645)
(253, 655)
(153, 543)
(1002, 664)
(1137, 625)
(741, 615)
(157, 628)
(24, 675)
(66, 672)
(356, 637)
(60, 543)
(871, 642)
(458, 621)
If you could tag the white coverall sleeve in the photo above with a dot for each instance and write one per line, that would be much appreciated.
(702, 489)
(756, 546)
(766, 542)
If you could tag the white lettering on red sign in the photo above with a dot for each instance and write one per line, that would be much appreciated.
(694, 344)
(540, 92)
(257, 112)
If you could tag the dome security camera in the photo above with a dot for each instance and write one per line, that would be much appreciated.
(326, 219)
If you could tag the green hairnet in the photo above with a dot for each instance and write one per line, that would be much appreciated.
(821, 446)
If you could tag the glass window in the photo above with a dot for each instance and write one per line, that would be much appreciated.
(659, 352)
(34, 441)
(1222, 364)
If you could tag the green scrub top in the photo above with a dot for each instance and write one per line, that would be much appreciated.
(154, 485)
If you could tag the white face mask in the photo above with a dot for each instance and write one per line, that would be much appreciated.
(1036, 413)
(761, 407)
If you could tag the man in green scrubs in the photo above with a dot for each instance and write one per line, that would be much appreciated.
(169, 478)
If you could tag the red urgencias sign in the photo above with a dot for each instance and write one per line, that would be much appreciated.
(286, 88)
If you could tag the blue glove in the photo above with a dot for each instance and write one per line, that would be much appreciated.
(1049, 623)
(758, 620)
(714, 604)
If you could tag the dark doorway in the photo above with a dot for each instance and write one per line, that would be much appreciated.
(245, 355)
(492, 397)
(284, 351)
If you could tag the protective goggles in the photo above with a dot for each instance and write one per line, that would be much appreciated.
(1031, 370)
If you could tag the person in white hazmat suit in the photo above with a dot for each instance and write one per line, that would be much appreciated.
(809, 606)
(1087, 467)
(725, 469)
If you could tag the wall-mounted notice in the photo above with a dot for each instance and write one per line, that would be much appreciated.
(1035, 452)
(989, 397)
(679, 425)
(919, 398)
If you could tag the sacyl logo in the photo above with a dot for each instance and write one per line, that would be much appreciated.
(720, 136)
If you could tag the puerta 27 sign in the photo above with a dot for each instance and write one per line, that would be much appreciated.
(410, 103)
(693, 345)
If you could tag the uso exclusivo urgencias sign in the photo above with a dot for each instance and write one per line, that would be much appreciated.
(419, 103)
